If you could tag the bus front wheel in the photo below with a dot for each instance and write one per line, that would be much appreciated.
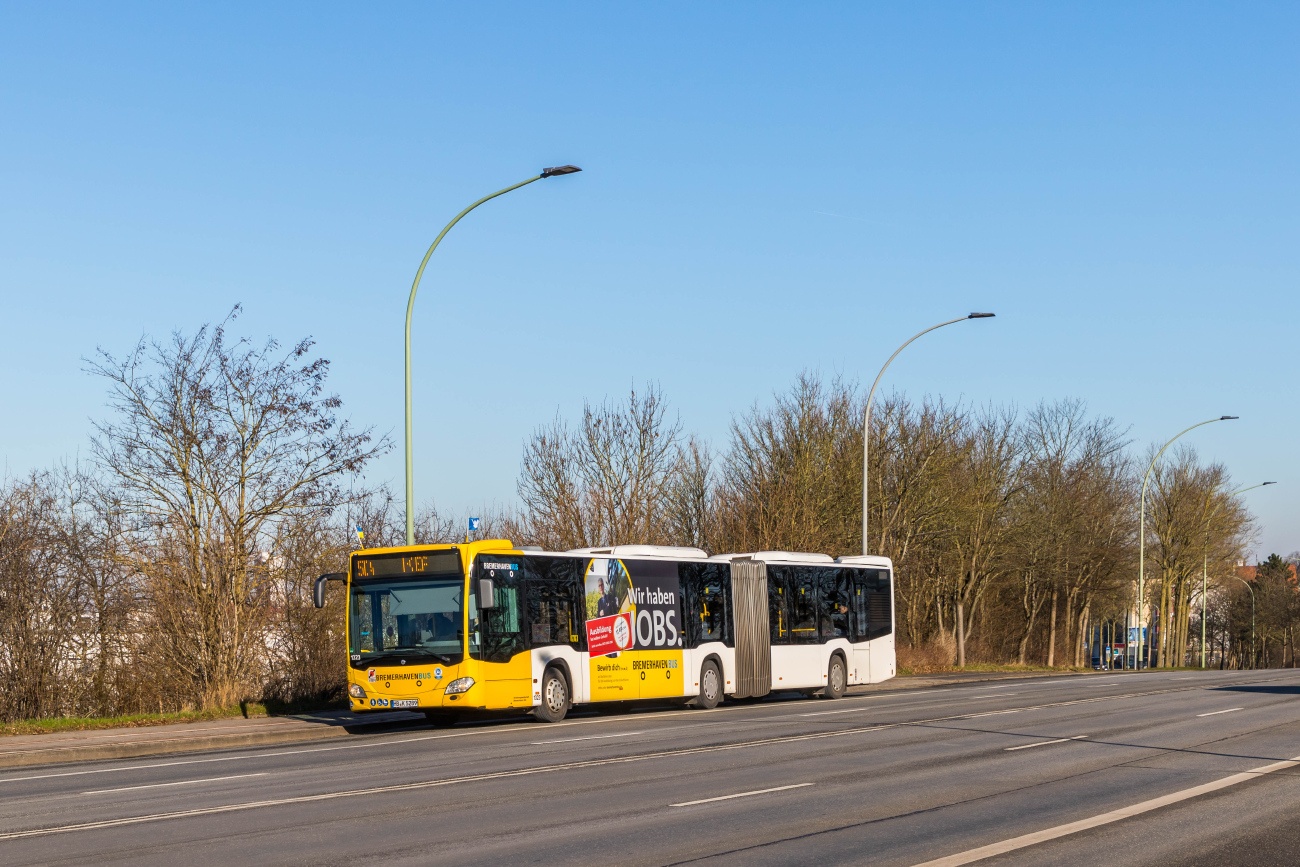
(836, 679)
(555, 697)
(710, 686)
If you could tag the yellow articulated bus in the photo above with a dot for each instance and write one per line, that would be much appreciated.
(450, 630)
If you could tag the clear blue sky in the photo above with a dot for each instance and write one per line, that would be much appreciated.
(767, 188)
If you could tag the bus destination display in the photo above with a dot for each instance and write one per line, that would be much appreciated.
(391, 566)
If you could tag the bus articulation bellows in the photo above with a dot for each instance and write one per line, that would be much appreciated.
(487, 626)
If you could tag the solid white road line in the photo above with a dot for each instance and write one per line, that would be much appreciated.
(739, 795)
(993, 713)
(1044, 743)
(972, 855)
(165, 785)
(588, 738)
(1217, 712)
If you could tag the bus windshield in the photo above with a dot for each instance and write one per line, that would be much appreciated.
(418, 618)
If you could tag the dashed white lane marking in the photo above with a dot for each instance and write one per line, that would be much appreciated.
(662, 715)
(1044, 743)
(739, 795)
(972, 855)
(869, 708)
(1217, 712)
(993, 713)
(181, 783)
(430, 784)
(587, 738)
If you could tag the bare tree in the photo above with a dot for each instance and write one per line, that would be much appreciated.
(39, 600)
(608, 482)
(690, 507)
(1189, 516)
(793, 473)
(211, 446)
(987, 478)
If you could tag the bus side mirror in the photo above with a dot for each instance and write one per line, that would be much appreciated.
(487, 597)
(318, 591)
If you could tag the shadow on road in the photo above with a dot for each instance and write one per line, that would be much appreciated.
(1274, 690)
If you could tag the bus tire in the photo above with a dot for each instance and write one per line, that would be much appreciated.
(837, 678)
(555, 697)
(440, 719)
(710, 686)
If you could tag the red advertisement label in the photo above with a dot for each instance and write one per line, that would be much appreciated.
(609, 634)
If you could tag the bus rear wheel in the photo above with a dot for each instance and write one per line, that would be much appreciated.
(836, 678)
(555, 697)
(710, 686)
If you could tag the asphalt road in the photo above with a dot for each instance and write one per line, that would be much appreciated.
(1153, 768)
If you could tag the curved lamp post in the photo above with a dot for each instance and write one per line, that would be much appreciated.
(410, 306)
(1205, 564)
(866, 427)
(1142, 537)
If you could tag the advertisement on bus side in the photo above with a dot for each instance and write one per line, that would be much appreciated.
(633, 629)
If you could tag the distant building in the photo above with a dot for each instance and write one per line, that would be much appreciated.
(1247, 573)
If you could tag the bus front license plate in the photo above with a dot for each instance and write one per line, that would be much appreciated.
(404, 702)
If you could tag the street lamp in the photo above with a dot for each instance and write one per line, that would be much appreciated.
(1205, 562)
(1142, 538)
(866, 427)
(410, 306)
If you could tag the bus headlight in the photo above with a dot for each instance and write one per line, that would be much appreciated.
(355, 690)
(459, 685)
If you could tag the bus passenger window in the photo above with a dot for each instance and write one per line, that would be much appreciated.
(803, 605)
(835, 601)
(556, 606)
(776, 607)
(713, 613)
(861, 610)
(705, 591)
(882, 620)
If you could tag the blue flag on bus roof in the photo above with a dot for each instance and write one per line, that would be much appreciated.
(473, 524)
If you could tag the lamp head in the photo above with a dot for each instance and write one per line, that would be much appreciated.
(559, 170)
(1268, 483)
(980, 316)
(1228, 417)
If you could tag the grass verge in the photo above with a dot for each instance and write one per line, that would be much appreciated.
(70, 724)
(247, 709)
